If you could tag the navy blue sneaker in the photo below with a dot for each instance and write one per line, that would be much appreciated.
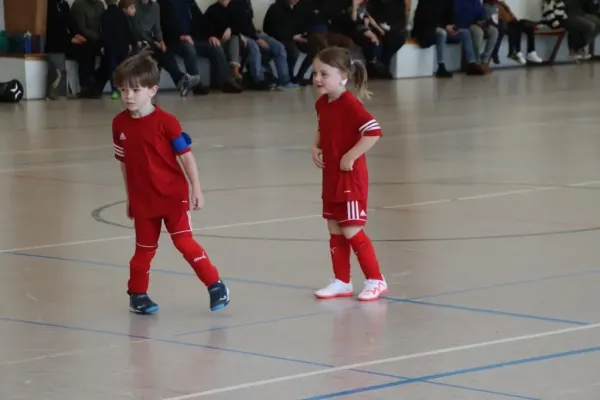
(219, 296)
(142, 304)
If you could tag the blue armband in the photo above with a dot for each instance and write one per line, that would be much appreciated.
(182, 142)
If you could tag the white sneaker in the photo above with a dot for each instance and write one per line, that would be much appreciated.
(533, 57)
(521, 59)
(373, 290)
(335, 289)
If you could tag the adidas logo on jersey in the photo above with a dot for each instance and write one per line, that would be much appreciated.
(122, 137)
(363, 213)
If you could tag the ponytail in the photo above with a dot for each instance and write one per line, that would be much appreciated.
(360, 78)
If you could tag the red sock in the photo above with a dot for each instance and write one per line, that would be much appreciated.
(340, 257)
(363, 248)
(139, 270)
(195, 255)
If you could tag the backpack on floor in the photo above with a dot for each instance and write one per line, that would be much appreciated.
(11, 91)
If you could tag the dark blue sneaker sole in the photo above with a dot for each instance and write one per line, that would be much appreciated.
(221, 305)
(149, 310)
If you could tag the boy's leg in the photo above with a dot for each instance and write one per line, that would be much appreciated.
(339, 249)
(147, 232)
(179, 225)
(352, 228)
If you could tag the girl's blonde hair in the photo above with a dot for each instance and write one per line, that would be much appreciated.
(338, 57)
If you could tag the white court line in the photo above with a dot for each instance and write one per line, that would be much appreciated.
(385, 361)
(302, 217)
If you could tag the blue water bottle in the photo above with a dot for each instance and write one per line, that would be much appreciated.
(28, 42)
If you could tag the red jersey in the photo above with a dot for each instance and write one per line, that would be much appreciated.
(156, 183)
(342, 123)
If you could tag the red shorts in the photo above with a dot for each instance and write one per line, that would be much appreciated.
(147, 230)
(348, 213)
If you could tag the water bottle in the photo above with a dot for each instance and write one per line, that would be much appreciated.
(28, 42)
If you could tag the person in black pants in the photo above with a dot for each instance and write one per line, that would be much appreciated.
(285, 22)
(85, 45)
(116, 39)
(391, 16)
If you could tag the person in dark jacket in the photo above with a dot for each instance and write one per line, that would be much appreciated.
(286, 22)
(188, 33)
(86, 16)
(391, 16)
(230, 41)
(116, 38)
(434, 23)
(238, 17)
(208, 44)
(176, 25)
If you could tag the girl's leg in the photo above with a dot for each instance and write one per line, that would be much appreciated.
(375, 285)
(339, 249)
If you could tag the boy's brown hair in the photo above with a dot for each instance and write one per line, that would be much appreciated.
(139, 70)
(124, 4)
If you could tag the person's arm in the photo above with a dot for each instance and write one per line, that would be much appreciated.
(156, 28)
(191, 171)
(78, 15)
(370, 132)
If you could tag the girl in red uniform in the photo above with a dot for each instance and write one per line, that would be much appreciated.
(346, 131)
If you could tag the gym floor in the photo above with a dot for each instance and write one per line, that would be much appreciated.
(484, 212)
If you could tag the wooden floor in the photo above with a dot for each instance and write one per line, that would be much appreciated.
(486, 195)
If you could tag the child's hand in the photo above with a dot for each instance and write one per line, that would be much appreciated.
(347, 162)
(197, 199)
(317, 156)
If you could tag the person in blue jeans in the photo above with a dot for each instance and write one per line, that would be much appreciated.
(446, 31)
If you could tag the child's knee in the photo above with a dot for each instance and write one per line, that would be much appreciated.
(350, 231)
(334, 227)
(142, 257)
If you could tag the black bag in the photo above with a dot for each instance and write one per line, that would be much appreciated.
(11, 91)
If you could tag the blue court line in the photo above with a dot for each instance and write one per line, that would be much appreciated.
(247, 353)
(241, 280)
(509, 284)
(488, 311)
(465, 371)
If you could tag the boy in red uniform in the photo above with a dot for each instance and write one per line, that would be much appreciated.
(148, 142)
(346, 132)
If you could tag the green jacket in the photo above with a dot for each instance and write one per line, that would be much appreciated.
(87, 14)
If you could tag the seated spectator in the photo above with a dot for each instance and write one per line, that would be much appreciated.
(434, 23)
(367, 34)
(505, 20)
(208, 45)
(148, 35)
(86, 15)
(318, 24)
(230, 41)
(177, 26)
(285, 22)
(581, 26)
(116, 38)
(391, 16)
(470, 14)
(59, 31)
(238, 15)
